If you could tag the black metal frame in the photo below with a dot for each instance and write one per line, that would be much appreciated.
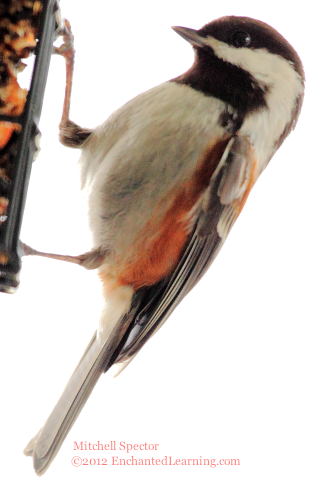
(29, 119)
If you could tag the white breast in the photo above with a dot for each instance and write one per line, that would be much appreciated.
(147, 148)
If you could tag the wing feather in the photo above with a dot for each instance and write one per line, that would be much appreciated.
(221, 204)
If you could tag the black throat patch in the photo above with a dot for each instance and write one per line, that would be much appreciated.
(231, 84)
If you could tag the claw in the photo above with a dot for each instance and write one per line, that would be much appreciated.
(68, 40)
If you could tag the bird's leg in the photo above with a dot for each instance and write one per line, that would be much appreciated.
(70, 134)
(89, 260)
(67, 51)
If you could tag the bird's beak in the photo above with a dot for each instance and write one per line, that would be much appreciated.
(191, 36)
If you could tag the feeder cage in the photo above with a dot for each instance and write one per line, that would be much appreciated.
(19, 118)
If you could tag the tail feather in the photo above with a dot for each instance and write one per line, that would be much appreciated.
(114, 323)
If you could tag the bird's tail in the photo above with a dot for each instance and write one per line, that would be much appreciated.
(113, 324)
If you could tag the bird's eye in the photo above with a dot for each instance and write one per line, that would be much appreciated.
(241, 39)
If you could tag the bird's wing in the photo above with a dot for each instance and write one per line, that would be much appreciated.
(221, 205)
(127, 331)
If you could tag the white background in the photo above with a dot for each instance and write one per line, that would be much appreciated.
(241, 368)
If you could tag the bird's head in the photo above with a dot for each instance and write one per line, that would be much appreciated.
(242, 61)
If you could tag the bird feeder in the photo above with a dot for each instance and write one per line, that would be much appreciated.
(26, 28)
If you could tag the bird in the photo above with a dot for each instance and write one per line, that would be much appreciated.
(165, 178)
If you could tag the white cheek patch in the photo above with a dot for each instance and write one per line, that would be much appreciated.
(283, 86)
(265, 67)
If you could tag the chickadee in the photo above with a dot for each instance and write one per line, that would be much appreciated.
(166, 177)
